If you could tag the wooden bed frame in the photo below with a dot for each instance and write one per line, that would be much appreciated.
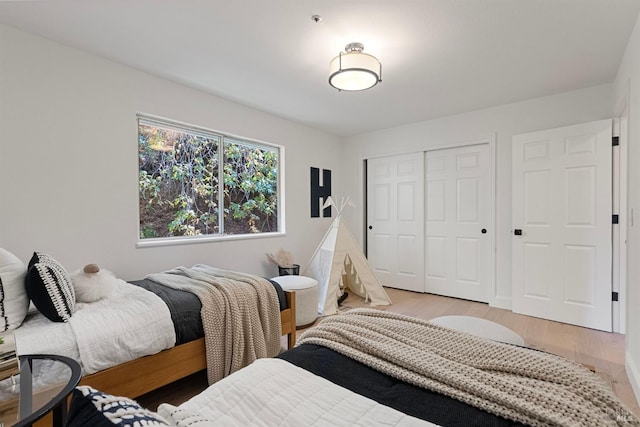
(140, 376)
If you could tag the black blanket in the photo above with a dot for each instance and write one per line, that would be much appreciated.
(185, 308)
(404, 397)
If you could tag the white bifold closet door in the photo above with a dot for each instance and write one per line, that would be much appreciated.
(395, 217)
(429, 222)
(458, 209)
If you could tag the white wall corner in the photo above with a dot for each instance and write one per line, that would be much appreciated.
(633, 373)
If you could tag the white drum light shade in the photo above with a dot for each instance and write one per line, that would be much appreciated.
(354, 70)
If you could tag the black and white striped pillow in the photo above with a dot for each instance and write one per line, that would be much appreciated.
(50, 288)
(90, 407)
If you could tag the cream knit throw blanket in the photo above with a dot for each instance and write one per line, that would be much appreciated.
(517, 383)
(240, 315)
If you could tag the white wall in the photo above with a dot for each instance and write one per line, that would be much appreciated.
(503, 122)
(68, 161)
(627, 92)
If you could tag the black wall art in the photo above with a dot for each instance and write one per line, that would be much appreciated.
(320, 191)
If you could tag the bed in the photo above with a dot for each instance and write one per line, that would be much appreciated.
(140, 376)
(142, 358)
(370, 367)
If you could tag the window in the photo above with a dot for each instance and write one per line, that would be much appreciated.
(194, 182)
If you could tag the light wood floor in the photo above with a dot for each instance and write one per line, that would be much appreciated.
(602, 351)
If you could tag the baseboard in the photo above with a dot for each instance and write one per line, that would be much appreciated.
(634, 374)
(501, 302)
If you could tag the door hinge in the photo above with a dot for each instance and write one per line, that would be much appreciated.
(614, 219)
(615, 140)
(614, 296)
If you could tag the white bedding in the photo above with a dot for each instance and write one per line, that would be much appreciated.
(127, 325)
(273, 392)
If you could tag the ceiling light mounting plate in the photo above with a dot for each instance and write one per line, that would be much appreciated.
(354, 47)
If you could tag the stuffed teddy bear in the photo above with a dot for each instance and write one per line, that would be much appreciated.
(91, 283)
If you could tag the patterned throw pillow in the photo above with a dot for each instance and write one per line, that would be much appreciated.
(90, 407)
(50, 288)
(14, 302)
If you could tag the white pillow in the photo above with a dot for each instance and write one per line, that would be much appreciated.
(90, 287)
(14, 302)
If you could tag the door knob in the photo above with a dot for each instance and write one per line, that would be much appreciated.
(371, 227)
(517, 232)
(483, 231)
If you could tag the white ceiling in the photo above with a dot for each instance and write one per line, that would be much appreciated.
(439, 57)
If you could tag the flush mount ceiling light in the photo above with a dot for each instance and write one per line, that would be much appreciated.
(353, 70)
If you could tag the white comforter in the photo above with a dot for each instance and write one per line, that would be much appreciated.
(273, 392)
(127, 325)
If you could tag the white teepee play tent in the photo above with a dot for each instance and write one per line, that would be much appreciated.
(337, 263)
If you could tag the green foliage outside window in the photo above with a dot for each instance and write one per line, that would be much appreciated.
(179, 189)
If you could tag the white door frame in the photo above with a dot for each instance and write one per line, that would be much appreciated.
(625, 219)
(491, 235)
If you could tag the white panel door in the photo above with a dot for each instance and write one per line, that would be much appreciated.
(395, 216)
(458, 251)
(562, 224)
